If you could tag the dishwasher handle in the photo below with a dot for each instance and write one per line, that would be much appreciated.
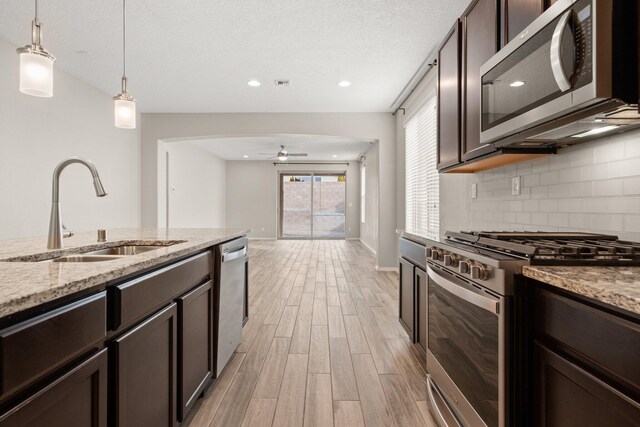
(234, 255)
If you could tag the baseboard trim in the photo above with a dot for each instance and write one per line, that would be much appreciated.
(373, 251)
(392, 269)
(352, 238)
(262, 238)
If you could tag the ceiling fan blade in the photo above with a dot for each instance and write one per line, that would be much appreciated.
(298, 154)
(266, 154)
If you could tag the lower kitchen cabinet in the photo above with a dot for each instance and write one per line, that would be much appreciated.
(421, 309)
(145, 377)
(407, 298)
(195, 345)
(76, 399)
(568, 396)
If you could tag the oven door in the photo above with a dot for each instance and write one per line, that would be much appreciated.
(533, 79)
(466, 351)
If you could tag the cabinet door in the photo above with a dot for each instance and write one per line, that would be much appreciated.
(195, 345)
(76, 399)
(480, 43)
(145, 377)
(517, 15)
(449, 99)
(407, 298)
(421, 312)
(568, 396)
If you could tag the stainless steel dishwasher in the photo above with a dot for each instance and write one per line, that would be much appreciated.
(230, 274)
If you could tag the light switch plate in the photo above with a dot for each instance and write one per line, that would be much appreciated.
(474, 191)
(515, 186)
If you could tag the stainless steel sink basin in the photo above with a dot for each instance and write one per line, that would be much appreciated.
(125, 250)
(85, 258)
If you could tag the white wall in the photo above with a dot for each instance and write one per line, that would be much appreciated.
(37, 133)
(380, 126)
(593, 186)
(253, 194)
(197, 187)
(369, 230)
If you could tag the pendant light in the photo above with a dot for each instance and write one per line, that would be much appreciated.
(124, 104)
(36, 64)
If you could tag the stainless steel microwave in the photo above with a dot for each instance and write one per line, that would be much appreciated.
(570, 76)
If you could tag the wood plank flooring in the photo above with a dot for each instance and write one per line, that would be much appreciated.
(323, 346)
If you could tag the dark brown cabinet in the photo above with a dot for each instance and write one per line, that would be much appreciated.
(449, 99)
(479, 44)
(569, 396)
(145, 377)
(586, 362)
(195, 345)
(421, 309)
(76, 399)
(518, 14)
(407, 301)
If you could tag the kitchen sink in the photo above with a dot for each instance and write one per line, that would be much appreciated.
(84, 258)
(124, 250)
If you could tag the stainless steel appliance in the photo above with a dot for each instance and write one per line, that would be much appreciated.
(475, 346)
(570, 76)
(230, 274)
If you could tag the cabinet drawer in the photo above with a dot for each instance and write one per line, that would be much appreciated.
(38, 346)
(607, 342)
(414, 252)
(138, 298)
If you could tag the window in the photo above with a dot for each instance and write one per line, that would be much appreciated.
(363, 190)
(422, 181)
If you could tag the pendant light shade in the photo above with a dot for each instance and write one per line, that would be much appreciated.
(36, 64)
(124, 105)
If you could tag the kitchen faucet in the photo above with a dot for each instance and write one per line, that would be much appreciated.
(55, 223)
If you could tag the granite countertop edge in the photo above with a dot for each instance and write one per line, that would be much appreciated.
(25, 285)
(618, 287)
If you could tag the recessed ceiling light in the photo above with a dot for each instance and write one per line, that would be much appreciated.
(245, 156)
(517, 83)
(334, 156)
(254, 83)
(344, 83)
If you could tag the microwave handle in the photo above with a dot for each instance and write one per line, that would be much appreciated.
(556, 55)
(478, 300)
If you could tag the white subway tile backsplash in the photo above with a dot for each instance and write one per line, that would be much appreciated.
(593, 186)
(607, 188)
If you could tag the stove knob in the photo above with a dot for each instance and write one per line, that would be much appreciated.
(451, 260)
(427, 252)
(436, 254)
(479, 272)
(463, 267)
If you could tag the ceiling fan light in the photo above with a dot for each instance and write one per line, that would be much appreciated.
(282, 157)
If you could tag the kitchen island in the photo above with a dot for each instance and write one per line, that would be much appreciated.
(120, 332)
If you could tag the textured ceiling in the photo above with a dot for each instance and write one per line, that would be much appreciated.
(318, 147)
(197, 55)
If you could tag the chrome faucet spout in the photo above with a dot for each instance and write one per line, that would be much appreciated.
(55, 223)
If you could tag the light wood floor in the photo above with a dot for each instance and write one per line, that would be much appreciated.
(323, 346)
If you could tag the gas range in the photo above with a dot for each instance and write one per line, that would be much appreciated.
(492, 259)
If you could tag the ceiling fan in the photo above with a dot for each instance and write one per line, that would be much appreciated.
(283, 154)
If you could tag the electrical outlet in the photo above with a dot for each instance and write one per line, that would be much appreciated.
(474, 191)
(515, 186)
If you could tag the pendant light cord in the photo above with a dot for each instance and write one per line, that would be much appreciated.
(124, 38)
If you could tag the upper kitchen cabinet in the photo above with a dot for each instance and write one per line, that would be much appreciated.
(518, 14)
(449, 99)
(479, 43)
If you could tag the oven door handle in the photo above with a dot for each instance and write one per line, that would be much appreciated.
(478, 300)
(556, 53)
(435, 408)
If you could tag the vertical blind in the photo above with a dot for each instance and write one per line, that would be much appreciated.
(422, 181)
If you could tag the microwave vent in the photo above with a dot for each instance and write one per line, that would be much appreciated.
(630, 112)
(563, 132)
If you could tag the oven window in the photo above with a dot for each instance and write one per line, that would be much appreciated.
(464, 339)
(524, 80)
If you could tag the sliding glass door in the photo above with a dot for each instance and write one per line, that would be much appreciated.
(313, 205)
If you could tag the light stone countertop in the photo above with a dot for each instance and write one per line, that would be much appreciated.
(615, 286)
(27, 284)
